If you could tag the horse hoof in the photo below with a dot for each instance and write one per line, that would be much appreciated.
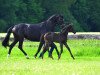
(73, 58)
(42, 57)
(35, 56)
(58, 57)
(27, 57)
(8, 55)
(51, 57)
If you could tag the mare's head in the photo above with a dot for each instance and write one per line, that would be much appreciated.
(57, 19)
(68, 28)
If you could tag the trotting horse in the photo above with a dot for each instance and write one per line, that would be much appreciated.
(60, 38)
(31, 32)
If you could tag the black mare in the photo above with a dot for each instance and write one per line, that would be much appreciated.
(31, 32)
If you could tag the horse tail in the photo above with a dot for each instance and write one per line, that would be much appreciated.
(5, 42)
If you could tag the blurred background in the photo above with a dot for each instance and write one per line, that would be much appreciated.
(84, 14)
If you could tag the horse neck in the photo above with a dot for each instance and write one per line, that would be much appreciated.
(50, 26)
(65, 33)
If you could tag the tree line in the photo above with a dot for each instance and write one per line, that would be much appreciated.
(84, 14)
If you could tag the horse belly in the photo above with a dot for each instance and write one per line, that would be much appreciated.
(55, 38)
(33, 36)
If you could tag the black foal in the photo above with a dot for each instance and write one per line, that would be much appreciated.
(60, 38)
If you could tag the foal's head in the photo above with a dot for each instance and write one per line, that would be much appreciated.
(68, 28)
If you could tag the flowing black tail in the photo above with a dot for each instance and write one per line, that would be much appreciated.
(5, 42)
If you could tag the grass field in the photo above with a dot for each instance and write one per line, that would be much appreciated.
(86, 53)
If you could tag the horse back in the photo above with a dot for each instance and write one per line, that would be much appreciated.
(51, 37)
(28, 31)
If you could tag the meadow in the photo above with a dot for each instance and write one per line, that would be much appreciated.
(85, 51)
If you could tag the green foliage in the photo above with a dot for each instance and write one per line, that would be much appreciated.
(16, 11)
(87, 14)
(2, 25)
(84, 14)
(60, 7)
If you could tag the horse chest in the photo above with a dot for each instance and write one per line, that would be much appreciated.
(62, 38)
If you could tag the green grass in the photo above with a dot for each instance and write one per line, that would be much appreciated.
(86, 53)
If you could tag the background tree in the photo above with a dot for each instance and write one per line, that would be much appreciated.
(87, 13)
(16, 11)
(84, 14)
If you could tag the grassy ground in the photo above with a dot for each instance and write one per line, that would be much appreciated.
(86, 52)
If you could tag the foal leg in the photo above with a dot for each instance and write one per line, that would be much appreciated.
(61, 47)
(20, 47)
(69, 50)
(57, 50)
(44, 50)
(51, 50)
(11, 46)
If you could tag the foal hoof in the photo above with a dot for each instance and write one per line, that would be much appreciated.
(73, 58)
(35, 56)
(27, 57)
(8, 55)
(59, 57)
(51, 57)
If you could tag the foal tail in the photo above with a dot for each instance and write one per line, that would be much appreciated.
(5, 42)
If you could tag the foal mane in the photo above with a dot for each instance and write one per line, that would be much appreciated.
(63, 31)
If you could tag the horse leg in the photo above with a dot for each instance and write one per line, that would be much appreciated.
(61, 47)
(69, 50)
(51, 50)
(20, 47)
(11, 46)
(56, 49)
(44, 50)
(39, 48)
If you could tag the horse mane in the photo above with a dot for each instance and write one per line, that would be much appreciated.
(51, 17)
(65, 28)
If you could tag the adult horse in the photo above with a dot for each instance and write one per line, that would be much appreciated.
(31, 32)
